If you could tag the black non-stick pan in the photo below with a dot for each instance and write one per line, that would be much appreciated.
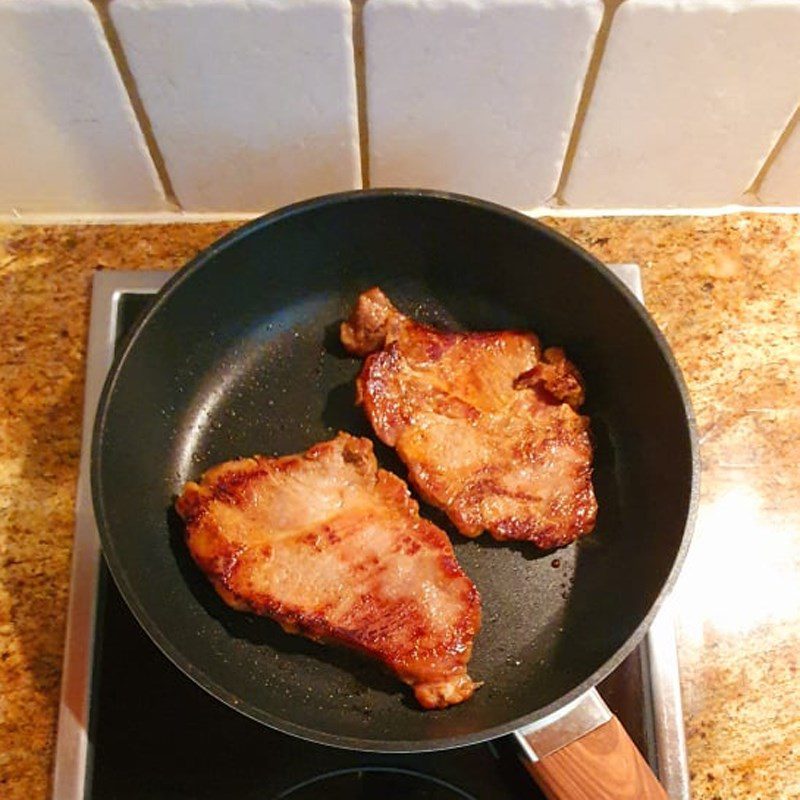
(239, 354)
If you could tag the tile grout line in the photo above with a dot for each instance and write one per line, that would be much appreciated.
(359, 59)
(755, 185)
(589, 82)
(139, 111)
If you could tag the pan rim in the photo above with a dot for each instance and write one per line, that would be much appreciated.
(200, 677)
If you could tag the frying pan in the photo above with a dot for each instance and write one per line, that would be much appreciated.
(239, 354)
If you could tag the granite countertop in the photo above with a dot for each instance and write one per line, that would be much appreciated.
(726, 292)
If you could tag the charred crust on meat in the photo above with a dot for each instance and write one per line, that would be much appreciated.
(486, 423)
(370, 324)
(253, 527)
(556, 378)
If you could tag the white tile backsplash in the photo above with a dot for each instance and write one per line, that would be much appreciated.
(252, 102)
(781, 184)
(69, 141)
(690, 97)
(475, 96)
(248, 105)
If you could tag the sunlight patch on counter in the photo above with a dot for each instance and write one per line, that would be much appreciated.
(742, 568)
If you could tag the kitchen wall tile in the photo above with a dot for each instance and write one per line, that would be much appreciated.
(781, 184)
(252, 102)
(69, 141)
(690, 96)
(475, 96)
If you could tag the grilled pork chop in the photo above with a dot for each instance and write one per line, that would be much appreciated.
(486, 423)
(331, 547)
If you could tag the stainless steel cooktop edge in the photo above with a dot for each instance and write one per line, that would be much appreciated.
(72, 745)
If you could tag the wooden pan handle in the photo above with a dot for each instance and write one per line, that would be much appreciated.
(601, 763)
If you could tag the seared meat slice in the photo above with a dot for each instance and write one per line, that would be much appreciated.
(486, 423)
(331, 547)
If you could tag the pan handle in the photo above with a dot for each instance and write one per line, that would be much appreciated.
(584, 753)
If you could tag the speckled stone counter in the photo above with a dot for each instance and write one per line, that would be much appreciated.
(726, 292)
